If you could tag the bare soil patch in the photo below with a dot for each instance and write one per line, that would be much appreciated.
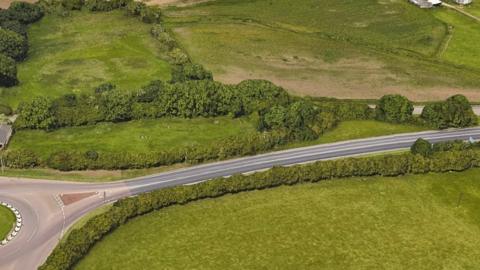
(6, 3)
(70, 198)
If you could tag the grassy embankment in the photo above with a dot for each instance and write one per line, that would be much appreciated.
(141, 136)
(7, 220)
(375, 47)
(75, 54)
(416, 222)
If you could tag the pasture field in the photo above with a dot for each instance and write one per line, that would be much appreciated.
(76, 53)
(7, 219)
(345, 49)
(416, 222)
(135, 136)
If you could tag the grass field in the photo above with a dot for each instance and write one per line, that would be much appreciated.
(7, 219)
(411, 222)
(135, 136)
(375, 47)
(75, 54)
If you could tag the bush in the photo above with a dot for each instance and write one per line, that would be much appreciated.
(421, 147)
(394, 109)
(20, 159)
(455, 112)
(15, 26)
(13, 45)
(80, 240)
(190, 72)
(36, 114)
(25, 12)
(105, 87)
(8, 71)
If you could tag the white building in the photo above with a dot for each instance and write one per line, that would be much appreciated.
(429, 3)
(463, 2)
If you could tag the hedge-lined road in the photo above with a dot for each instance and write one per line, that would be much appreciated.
(45, 218)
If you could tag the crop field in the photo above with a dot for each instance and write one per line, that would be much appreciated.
(74, 54)
(345, 49)
(135, 136)
(7, 219)
(415, 222)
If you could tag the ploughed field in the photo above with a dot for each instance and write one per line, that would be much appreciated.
(415, 222)
(76, 53)
(346, 49)
(7, 219)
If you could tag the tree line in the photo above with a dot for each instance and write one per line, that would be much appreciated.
(81, 240)
(14, 38)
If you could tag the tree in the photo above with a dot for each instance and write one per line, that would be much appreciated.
(8, 71)
(260, 95)
(13, 45)
(37, 114)
(190, 72)
(421, 147)
(394, 108)
(14, 26)
(116, 106)
(25, 12)
(455, 112)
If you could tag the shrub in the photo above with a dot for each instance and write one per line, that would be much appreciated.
(105, 87)
(190, 72)
(13, 45)
(394, 109)
(421, 147)
(8, 71)
(14, 26)
(20, 159)
(36, 114)
(455, 112)
(25, 12)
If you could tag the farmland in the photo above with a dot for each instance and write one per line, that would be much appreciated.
(74, 54)
(417, 222)
(375, 47)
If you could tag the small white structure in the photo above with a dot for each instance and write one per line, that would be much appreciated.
(463, 2)
(429, 3)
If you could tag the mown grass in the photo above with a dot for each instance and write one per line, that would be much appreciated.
(134, 136)
(411, 222)
(346, 49)
(75, 54)
(7, 219)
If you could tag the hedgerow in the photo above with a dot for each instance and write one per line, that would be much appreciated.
(80, 240)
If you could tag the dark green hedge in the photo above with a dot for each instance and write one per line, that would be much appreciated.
(79, 241)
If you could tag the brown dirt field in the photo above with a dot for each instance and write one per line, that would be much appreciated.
(68, 199)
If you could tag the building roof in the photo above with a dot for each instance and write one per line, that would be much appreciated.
(5, 133)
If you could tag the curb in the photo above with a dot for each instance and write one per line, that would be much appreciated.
(18, 224)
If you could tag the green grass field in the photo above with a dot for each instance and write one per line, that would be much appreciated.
(412, 222)
(7, 219)
(134, 136)
(75, 54)
(375, 47)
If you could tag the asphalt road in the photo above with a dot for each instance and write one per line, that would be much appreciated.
(46, 219)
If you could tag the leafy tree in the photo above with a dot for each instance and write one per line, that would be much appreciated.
(8, 71)
(13, 45)
(25, 12)
(421, 147)
(260, 95)
(394, 108)
(190, 72)
(455, 112)
(37, 114)
(116, 106)
(14, 26)
(73, 4)
(150, 14)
